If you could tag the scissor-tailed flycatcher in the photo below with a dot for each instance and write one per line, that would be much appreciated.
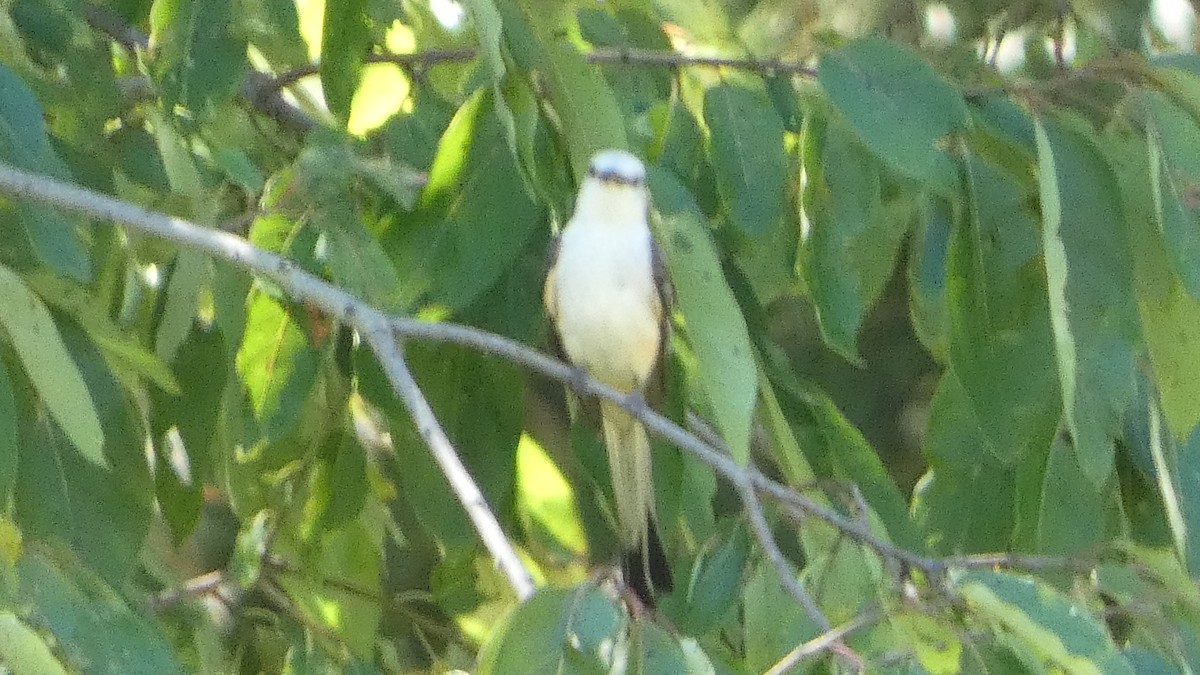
(608, 296)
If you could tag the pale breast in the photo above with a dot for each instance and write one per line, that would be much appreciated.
(608, 312)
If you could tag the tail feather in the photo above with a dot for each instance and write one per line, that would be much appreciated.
(644, 562)
(647, 571)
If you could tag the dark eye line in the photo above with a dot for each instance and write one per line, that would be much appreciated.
(613, 177)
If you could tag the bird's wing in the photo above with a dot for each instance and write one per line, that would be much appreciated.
(550, 291)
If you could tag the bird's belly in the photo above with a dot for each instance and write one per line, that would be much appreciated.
(612, 332)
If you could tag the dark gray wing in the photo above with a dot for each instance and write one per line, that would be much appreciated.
(666, 295)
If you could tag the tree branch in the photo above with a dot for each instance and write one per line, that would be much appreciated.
(258, 89)
(372, 324)
(825, 641)
(381, 331)
(600, 55)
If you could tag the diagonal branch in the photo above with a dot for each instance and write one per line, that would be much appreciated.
(381, 332)
(373, 325)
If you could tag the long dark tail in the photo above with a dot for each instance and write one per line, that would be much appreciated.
(646, 570)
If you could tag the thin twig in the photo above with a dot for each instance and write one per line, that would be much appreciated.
(825, 641)
(391, 357)
(204, 584)
(258, 89)
(600, 55)
(762, 533)
(372, 324)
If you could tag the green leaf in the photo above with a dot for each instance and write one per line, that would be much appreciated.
(344, 559)
(715, 326)
(589, 116)
(1058, 631)
(637, 90)
(23, 650)
(345, 41)
(49, 365)
(897, 106)
(1001, 342)
(200, 53)
(1179, 485)
(189, 272)
(937, 645)
(774, 622)
(1170, 317)
(273, 26)
(356, 259)
(860, 464)
(9, 436)
(856, 234)
(203, 368)
(746, 146)
(557, 631)
(489, 34)
(472, 396)
(1072, 511)
(124, 351)
(965, 502)
(1089, 271)
(101, 513)
(927, 277)
(24, 143)
(715, 582)
(1175, 179)
(459, 244)
(278, 366)
(94, 629)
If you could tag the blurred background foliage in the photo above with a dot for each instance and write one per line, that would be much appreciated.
(938, 267)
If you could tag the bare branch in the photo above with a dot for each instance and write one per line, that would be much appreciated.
(204, 584)
(380, 331)
(372, 324)
(602, 55)
(830, 639)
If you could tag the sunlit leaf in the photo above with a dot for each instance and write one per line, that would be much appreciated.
(345, 40)
(23, 650)
(54, 374)
(1057, 630)
(1091, 296)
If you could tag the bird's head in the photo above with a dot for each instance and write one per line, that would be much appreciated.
(614, 188)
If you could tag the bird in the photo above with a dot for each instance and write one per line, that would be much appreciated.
(608, 296)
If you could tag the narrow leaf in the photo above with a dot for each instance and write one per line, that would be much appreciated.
(1001, 343)
(1175, 179)
(746, 146)
(277, 364)
(50, 367)
(715, 325)
(850, 252)
(345, 40)
(24, 143)
(1089, 270)
(200, 55)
